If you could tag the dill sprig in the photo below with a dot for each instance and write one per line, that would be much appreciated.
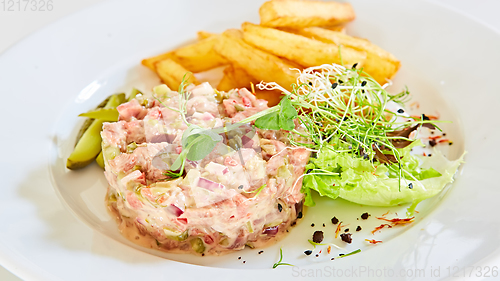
(316, 244)
(351, 253)
(256, 191)
(278, 263)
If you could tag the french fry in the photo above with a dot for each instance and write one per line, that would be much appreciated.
(199, 56)
(273, 97)
(302, 50)
(298, 14)
(150, 62)
(257, 63)
(204, 34)
(339, 28)
(235, 77)
(234, 33)
(379, 63)
(196, 57)
(172, 73)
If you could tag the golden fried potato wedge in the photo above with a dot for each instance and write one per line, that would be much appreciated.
(199, 56)
(172, 73)
(235, 77)
(379, 63)
(273, 97)
(339, 28)
(257, 63)
(196, 57)
(305, 13)
(150, 62)
(204, 34)
(234, 33)
(302, 50)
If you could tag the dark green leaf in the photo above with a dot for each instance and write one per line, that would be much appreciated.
(191, 130)
(287, 114)
(287, 110)
(279, 120)
(199, 142)
(200, 147)
(268, 122)
(286, 124)
(180, 160)
(194, 131)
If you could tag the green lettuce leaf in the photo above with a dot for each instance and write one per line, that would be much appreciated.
(374, 184)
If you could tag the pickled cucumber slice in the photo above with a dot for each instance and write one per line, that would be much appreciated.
(103, 103)
(133, 94)
(89, 145)
(121, 98)
(83, 129)
(197, 245)
(100, 160)
(88, 122)
(104, 114)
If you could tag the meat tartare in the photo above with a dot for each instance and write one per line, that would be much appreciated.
(246, 192)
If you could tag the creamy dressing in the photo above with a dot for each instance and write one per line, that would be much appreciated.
(240, 195)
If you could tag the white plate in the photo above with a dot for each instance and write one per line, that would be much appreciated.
(65, 69)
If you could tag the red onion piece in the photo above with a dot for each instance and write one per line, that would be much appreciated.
(238, 243)
(176, 211)
(247, 142)
(162, 138)
(208, 184)
(141, 226)
(273, 230)
(208, 239)
(141, 221)
(183, 220)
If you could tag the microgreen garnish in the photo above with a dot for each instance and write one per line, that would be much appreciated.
(258, 190)
(345, 112)
(322, 244)
(316, 244)
(279, 262)
(351, 253)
